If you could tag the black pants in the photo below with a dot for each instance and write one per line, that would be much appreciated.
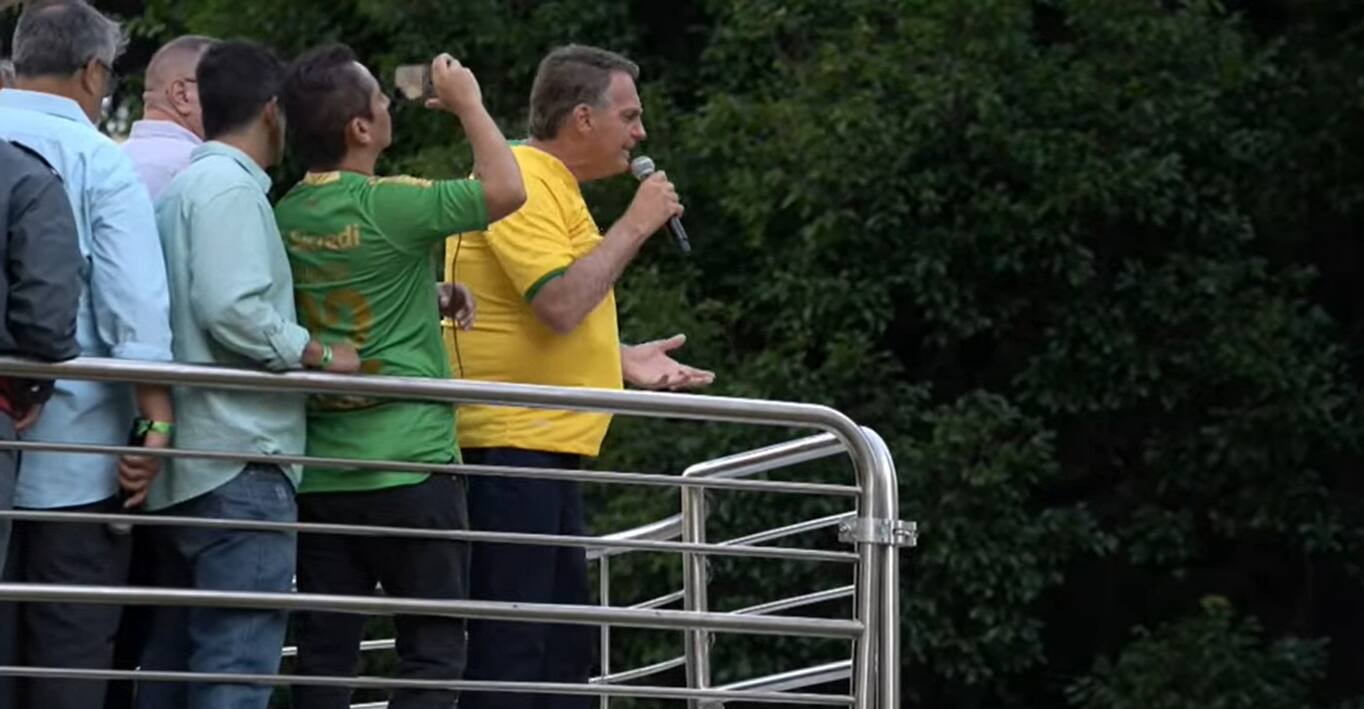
(133, 629)
(519, 651)
(66, 635)
(428, 647)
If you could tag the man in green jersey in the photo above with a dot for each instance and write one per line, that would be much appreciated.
(361, 248)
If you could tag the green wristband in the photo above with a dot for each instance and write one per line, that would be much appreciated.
(145, 426)
(326, 356)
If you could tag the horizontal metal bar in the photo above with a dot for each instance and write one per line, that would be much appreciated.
(796, 679)
(790, 530)
(663, 530)
(808, 599)
(768, 458)
(661, 601)
(365, 646)
(641, 672)
(598, 476)
(784, 604)
(465, 391)
(369, 605)
(156, 520)
(450, 685)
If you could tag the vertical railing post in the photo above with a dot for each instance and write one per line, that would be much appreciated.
(866, 609)
(604, 590)
(886, 534)
(694, 588)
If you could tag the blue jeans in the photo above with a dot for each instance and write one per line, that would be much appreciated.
(219, 639)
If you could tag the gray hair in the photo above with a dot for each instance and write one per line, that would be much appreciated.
(570, 76)
(58, 37)
(6, 73)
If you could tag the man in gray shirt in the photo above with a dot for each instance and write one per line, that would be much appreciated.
(39, 290)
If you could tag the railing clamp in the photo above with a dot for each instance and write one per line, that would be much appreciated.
(879, 531)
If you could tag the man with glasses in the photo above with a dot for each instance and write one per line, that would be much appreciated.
(63, 56)
(172, 124)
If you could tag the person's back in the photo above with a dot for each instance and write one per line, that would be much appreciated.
(361, 249)
(40, 287)
(64, 51)
(39, 290)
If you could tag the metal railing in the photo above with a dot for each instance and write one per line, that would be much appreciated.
(873, 529)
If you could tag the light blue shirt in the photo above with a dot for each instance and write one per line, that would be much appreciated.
(123, 305)
(232, 304)
(160, 150)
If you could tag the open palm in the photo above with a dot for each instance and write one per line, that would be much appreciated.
(649, 366)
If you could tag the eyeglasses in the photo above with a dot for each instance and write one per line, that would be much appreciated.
(111, 78)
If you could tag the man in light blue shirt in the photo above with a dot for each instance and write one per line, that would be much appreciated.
(232, 304)
(63, 55)
(172, 123)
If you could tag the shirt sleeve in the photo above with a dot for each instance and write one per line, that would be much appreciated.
(416, 214)
(128, 291)
(229, 273)
(532, 245)
(43, 263)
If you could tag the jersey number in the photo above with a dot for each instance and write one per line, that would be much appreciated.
(342, 311)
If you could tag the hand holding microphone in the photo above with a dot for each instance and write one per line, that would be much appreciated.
(656, 202)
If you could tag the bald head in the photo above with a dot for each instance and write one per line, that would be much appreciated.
(172, 93)
(176, 60)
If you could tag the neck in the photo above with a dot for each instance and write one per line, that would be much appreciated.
(157, 113)
(252, 141)
(58, 86)
(568, 154)
(362, 162)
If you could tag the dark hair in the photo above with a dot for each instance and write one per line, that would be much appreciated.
(236, 81)
(58, 37)
(567, 77)
(322, 93)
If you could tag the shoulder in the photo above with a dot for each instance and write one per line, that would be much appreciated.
(22, 161)
(407, 181)
(211, 181)
(110, 163)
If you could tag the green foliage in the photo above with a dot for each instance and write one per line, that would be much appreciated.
(1088, 265)
(1208, 661)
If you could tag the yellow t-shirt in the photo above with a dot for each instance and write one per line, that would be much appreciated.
(505, 267)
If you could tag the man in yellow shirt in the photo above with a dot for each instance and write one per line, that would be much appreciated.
(543, 280)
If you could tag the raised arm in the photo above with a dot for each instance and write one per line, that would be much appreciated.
(457, 91)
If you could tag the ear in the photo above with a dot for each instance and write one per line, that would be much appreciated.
(91, 76)
(274, 114)
(357, 132)
(178, 95)
(582, 118)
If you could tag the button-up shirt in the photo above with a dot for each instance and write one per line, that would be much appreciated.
(123, 304)
(232, 304)
(160, 150)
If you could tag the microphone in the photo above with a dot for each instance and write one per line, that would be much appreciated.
(641, 167)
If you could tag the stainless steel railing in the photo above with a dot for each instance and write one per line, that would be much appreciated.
(873, 529)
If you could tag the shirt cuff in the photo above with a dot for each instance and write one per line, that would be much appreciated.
(142, 351)
(288, 345)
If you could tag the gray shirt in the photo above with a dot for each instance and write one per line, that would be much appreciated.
(40, 284)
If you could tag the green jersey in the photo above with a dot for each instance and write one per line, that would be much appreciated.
(362, 252)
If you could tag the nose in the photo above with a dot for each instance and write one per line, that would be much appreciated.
(638, 134)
